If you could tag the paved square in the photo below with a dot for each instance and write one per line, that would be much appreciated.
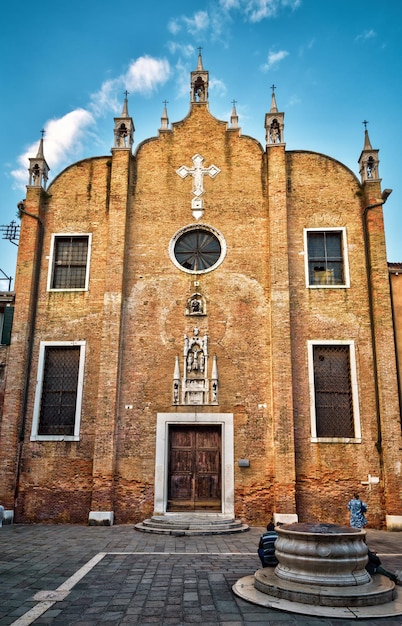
(84, 576)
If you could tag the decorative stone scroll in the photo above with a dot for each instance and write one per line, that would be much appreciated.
(194, 387)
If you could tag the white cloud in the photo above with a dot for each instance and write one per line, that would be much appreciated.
(177, 48)
(367, 34)
(182, 72)
(257, 10)
(274, 58)
(217, 86)
(293, 100)
(308, 46)
(146, 74)
(64, 136)
(200, 21)
(227, 5)
(143, 76)
(106, 99)
(174, 26)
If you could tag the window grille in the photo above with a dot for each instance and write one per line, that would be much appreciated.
(70, 262)
(325, 258)
(59, 390)
(197, 250)
(333, 391)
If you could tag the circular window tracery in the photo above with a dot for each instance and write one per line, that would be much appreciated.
(197, 249)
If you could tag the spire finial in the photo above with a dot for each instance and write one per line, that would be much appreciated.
(40, 147)
(124, 113)
(234, 118)
(199, 82)
(368, 160)
(38, 168)
(199, 64)
(124, 127)
(367, 142)
(274, 107)
(164, 118)
(274, 123)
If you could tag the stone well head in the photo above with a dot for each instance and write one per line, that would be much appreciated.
(322, 554)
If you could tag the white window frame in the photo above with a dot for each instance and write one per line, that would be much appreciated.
(38, 395)
(355, 391)
(51, 261)
(341, 229)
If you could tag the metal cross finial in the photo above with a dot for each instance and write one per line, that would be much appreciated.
(126, 93)
(43, 132)
(199, 49)
(234, 102)
(165, 102)
(273, 87)
(365, 122)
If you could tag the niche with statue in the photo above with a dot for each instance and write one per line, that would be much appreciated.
(193, 386)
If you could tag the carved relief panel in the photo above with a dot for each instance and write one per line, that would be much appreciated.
(194, 387)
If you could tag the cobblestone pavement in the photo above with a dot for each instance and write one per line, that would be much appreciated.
(87, 575)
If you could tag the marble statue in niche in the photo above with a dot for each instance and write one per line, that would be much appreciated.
(194, 387)
(196, 305)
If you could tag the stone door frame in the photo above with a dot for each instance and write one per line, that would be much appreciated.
(163, 421)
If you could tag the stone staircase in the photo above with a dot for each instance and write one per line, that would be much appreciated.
(180, 524)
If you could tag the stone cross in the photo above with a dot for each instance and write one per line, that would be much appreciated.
(198, 172)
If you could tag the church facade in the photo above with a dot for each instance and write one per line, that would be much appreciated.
(202, 325)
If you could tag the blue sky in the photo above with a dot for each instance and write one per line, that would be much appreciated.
(65, 67)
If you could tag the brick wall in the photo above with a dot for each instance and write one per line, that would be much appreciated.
(260, 316)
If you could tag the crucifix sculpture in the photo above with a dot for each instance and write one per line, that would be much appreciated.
(198, 172)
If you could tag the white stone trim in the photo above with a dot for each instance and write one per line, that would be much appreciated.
(393, 522)
(285, 518)
(101, 518)
(164, 420)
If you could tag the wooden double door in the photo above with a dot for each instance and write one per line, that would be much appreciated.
(194, 473)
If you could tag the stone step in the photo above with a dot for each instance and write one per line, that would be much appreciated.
(192, 524)
(179, 525)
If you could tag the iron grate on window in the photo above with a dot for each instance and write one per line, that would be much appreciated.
(59, 390)
(70, 262)
(333, 391)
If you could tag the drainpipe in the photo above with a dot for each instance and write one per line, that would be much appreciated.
(31, 327)
(384, 196)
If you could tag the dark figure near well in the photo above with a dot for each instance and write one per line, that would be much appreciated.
(266, 547)
(374, 567)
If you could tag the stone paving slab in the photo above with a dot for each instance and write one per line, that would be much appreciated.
(90, 575)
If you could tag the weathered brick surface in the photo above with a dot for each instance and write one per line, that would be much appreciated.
(260, 316)
(396, 289)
